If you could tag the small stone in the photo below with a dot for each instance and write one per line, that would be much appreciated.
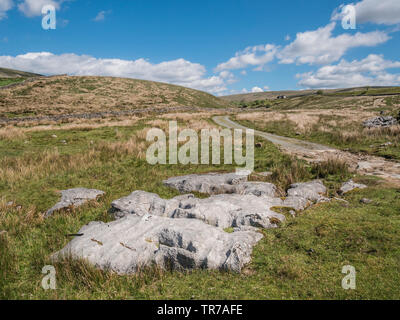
(387, 144)
(364, 165)
(264, 174)
(54, 136)
(350, 186)
(258, 145)
(63, 141)
(366, 201)
(10, 203)
(310, 190)
(74, 197)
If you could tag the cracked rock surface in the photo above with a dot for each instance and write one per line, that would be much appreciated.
(219, 183)
(128, 244)
(74, 198)
(212, 183)
(186, 232)
(223, 210)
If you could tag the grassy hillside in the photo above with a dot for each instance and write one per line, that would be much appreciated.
(9, 76)
(10, 73)
(7, 81)
(348, 92)
(64, 94)
(267, 95)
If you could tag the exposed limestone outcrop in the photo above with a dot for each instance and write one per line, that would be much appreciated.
(215, 183)
(131, 243)
(224, 210)
(380, 122)
(74, 198)
(187, 232)
(212, 183)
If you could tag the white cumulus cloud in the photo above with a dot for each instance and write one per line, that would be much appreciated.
(5, 5)
(180, 71)
(256, 56)
(256, 89)
(385, 12)
(321, 47)
(371, 71)
(32, 8)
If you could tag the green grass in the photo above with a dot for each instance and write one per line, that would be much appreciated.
(367, 92)
(7, 81)
(283, 265)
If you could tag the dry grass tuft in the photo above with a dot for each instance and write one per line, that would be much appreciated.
(44, 163)
(393, 131)
(288, 172)
(134, 146)
(332, 166)
(11, 133)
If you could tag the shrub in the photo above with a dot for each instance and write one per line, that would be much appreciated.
(333, 166)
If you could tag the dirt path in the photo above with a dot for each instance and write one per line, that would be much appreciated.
(313, 152)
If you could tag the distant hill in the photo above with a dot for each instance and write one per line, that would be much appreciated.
(10, 73)
(248, 97)
(272, 95)
(66, 95)
(9, 76)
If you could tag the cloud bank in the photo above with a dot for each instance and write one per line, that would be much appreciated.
(321, 47)
(371, 71)
(386, 12)
(180, 71)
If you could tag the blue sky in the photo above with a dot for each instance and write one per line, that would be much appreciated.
(219, 46)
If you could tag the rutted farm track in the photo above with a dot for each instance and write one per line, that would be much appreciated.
(313, 152)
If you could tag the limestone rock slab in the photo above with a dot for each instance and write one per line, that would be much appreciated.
(126, 245)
